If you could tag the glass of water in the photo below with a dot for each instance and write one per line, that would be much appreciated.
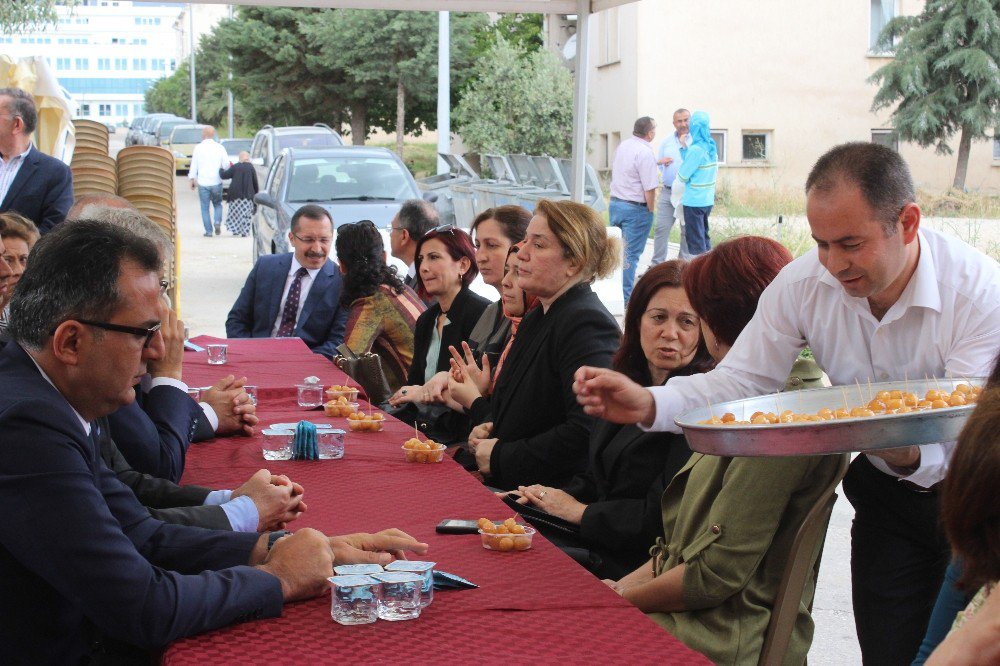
(330, 443)
(252, 392)
(423, 569)
(278, 444)
(354, 599)
(217, 354)
(400, 598)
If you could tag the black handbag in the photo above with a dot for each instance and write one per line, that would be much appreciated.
(367, 371)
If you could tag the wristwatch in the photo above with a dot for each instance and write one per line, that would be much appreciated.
(274, 536)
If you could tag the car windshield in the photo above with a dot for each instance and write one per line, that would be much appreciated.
(235, 146)
(335, 178)
(167, 126)
(307, 140)
(186, 135)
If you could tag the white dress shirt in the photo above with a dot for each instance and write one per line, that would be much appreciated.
(946, 322)
(208, 157)
(306, 285)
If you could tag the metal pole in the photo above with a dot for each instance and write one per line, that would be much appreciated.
(229, 93)
(444, 89)
(194, 92)
(580, 98)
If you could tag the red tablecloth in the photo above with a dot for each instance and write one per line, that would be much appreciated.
(540, 600)
(265, 362)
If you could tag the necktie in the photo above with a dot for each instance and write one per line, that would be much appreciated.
(287, 326)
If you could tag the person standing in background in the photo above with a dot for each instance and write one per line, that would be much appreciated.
(240, 196)
(669, 161)
(207, 160)
(698, 173)
(634, 180)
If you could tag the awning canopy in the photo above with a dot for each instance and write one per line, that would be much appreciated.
(582, 8)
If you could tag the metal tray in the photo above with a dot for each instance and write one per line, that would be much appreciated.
(816, 438)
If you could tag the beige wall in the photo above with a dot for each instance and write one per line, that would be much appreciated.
(796, 70)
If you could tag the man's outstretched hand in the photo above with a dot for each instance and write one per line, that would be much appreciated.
(613, 397)
(379, 548)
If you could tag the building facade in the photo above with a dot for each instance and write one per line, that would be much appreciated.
(782, 81)
(105, 53)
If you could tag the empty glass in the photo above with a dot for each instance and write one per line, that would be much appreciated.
(354, 599)
(400, 599)
(217, 354)
(278, 444)
(252, 392)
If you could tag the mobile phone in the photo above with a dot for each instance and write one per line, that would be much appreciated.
(456, 526)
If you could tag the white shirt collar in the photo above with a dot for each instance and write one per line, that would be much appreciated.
(296, 266)
(83, 421)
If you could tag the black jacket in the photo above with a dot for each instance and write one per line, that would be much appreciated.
(542, 431)
(463, 316)
(166, 501)
(244, 183)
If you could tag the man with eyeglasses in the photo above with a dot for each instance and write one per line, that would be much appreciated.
(32, 183)
(296, 294)
(415, 218)
(86, 574)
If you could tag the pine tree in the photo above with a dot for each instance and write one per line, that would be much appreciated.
(945, 76)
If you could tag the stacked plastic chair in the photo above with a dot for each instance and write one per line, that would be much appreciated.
(93, 169)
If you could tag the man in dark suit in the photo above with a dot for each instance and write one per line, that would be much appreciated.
(295, 294)
(83, 566)
(415, 218)
(32, 183)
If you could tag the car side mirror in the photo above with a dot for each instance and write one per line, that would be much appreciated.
(264, 199)
(430, 197)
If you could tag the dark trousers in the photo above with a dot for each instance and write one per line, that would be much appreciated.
(898, 559)
(696, 229)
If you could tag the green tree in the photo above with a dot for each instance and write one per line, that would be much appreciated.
(17, 16)
(517, 102)
(944, 76)
(386, 63)
(172, 94)
(522, 30)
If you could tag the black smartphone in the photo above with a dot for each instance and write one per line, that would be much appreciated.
(456, 526)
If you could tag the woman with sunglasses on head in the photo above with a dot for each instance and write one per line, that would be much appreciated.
(382, 311)
(616, 503)
(538, 433)
(495, 231)
(446, 266)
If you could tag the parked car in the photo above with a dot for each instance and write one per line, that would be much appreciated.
(351, 182)
(233, 148)
(182, 140)
(159, 133)
(270, 141)
(137, 130)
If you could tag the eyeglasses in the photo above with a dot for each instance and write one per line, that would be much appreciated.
(309, 240)
(391, 228)
(444, 228)
(146, 333)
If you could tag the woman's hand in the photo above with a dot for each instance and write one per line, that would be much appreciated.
(483, 448)
(437, 387)
(464, 392)
(481, 431)
(555, 502)
(480, 376)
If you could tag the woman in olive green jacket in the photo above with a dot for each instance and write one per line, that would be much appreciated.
(729, 523)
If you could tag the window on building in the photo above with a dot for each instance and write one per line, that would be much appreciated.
(121, 64)
(719, 136)
(173, 65)
(886, 137)
(608, 34)
(84, 109)
(104, 110)
(602, 152)
(83, 64)
(158, 64)
(103, 64)
(63, 63)
(156, 21)
(121, 109)
(137, 110)
(882, 11)
(139, 64)
(756, 146)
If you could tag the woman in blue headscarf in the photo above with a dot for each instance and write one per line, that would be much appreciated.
(698, 173)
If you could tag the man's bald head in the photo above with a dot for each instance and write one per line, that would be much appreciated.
(83, 206)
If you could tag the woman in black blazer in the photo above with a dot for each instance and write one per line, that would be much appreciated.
(538, 433)
(616, 502)
(446, 266)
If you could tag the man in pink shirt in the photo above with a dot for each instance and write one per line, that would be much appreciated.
(634, 179)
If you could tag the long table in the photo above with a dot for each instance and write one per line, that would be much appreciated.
(531, 606)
